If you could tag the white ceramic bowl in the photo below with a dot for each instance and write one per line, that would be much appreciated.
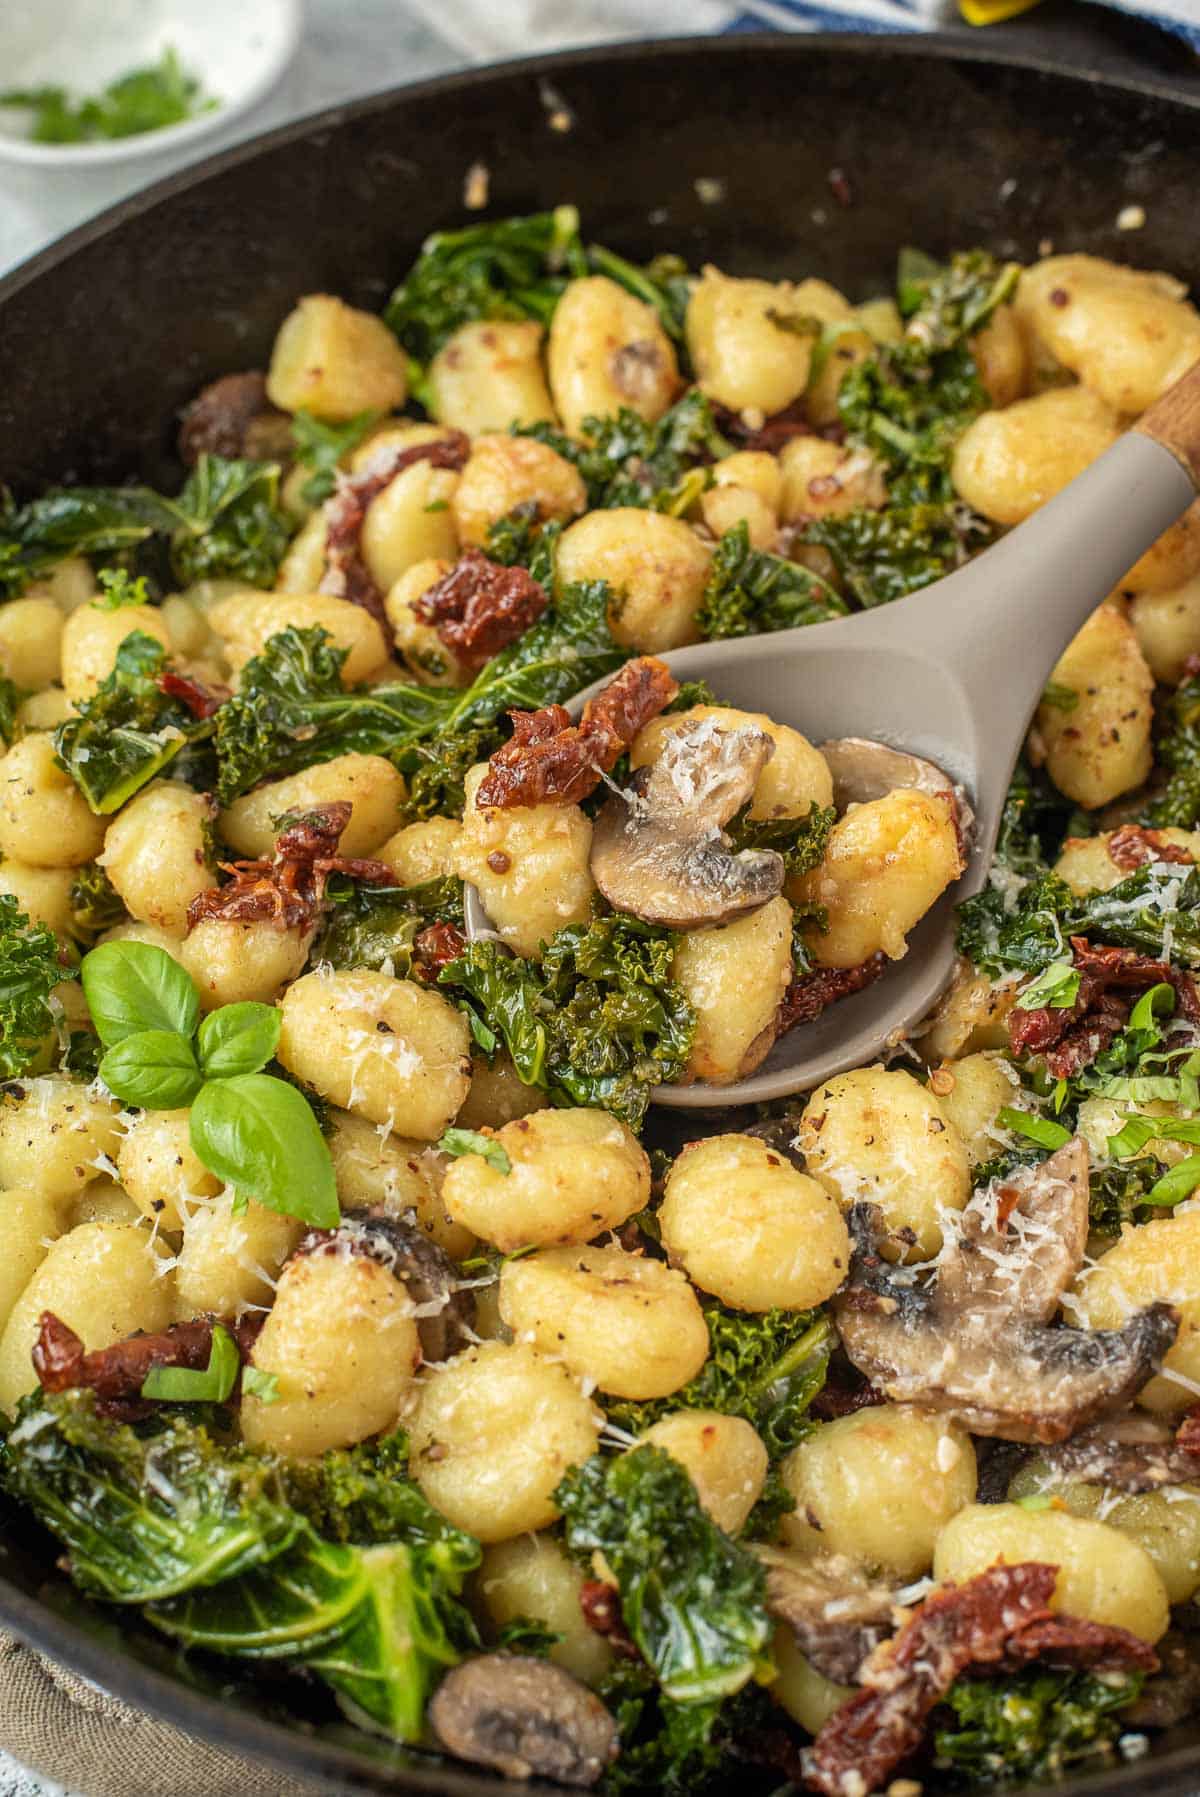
(237, 49)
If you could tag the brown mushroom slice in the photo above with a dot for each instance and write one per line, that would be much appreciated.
(836, 1613)
(444, 1309)
(863, 770)
(976, 1342)
(1133, 1453)
(658, 848)
(524, 1717)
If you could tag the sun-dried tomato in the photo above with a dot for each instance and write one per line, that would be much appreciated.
(346, 573)
(1073, 1035)
(551, 761)
(479, 607)
(436, 946)
(771, 434)
(233, 417)
(117, 1374)
(199, 700)
(813, 992)
(601, 1606)
(287, 888)
(1133, 845)
(1000, 1618)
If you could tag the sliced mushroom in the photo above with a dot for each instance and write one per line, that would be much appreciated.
(1134, 1453)
(444, 1310)
(836, 1613)
(658, 849)
(863, 770)
(526, 1718)
(233, 417)
(976, 1342)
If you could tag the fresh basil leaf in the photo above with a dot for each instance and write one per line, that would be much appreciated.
(238, 1039)
(133, 986)
(1057, 986)
(1176, 1184)
(259, 1384)
(1131, 1138)
(155, 1069)
(470, 1141)
(1035, 1129)
(258, 1135)
(1158, 1001)
(191, 1385)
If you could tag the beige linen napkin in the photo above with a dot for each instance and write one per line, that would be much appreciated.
(73, 1733)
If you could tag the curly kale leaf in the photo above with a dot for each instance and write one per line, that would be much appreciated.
(1177, 750)
(800, 840)
(627, 460)
(129, 730)
(1118, 1194)
(766, 1368)
(96, 904)
(374, 926)
(10, 699)
(665, 1746)
(908, 405)
(598, 1021)
(749, 591)
(1025, 935)
(230, 523)
(30, 969)
(882, 555)
(1033, 1725)
(521, 539)
(292, 710)
(517, 268)
(1033, 823)
(692, 1599)
(509, 268)
(226, 520)
(231, 1551)
(320, 446)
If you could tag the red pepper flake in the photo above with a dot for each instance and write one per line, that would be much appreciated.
(601, 1606)
(839, 187)
(1059, 296)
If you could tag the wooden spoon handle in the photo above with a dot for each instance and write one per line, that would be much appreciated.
(1174, 421)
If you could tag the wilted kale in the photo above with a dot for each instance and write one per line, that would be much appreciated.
(1033, 823)
(665, 1746)
(1032, 1725)
(96, 904)
(10, 699)
(291, 709)
(908, 405)
(692, 1599)
(1177, 749)
(882, 555)
(627, 460)
(228, 1550)
(369, 926)
(598, 1021)
(1029, 932)
(320, 446)
(225, 521)
(800, 840)
(517, 268)
(749, 591)
(509, 268)
(766, 1368)
(521, 539)
(129, 730)
(30, 969)
(1117, 1194)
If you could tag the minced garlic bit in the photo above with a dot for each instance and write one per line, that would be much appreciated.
(710, 189)
(1131, 218)
(476, 187)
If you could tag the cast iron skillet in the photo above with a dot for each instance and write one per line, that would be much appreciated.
(721, 149)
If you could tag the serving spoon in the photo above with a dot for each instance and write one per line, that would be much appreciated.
(953, 674)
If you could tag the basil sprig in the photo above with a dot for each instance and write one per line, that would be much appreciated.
(198, 1385)
(252, 1130)
(470, 1141)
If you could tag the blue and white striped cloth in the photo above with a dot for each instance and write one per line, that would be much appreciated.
(485, 30)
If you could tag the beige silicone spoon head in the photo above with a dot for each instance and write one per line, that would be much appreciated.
(952, 674)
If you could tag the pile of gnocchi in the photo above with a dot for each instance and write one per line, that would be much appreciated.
(563, 1288)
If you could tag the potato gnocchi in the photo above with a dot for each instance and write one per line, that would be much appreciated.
(344, 955)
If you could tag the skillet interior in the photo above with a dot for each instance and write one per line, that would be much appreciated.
(103, 337)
